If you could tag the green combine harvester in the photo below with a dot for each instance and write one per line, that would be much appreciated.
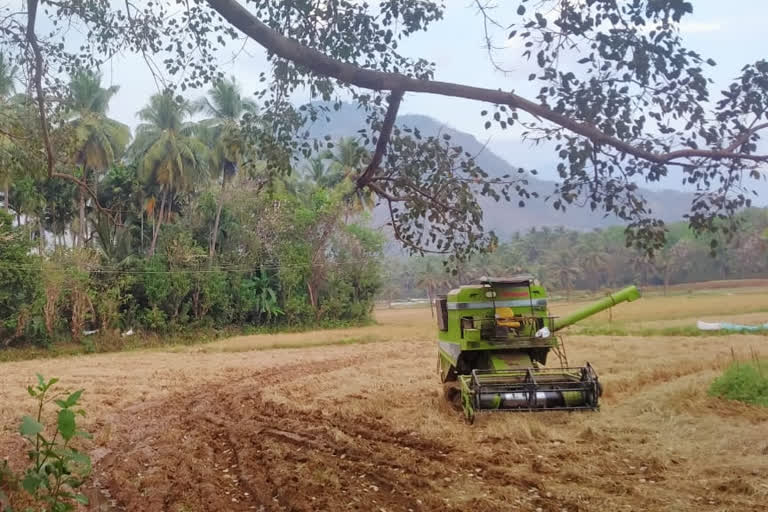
(494, 338)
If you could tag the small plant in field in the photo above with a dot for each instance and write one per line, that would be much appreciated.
(9, 482)
(745, 382)
(57, 469)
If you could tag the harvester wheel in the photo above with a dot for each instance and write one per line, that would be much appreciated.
(452, 394)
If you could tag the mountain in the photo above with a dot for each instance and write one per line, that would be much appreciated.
(506, 218)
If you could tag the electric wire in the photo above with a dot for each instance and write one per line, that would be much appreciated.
(231, 268)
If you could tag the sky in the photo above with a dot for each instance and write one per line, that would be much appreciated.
(732, 33)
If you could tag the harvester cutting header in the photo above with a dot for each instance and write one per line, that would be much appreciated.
(494, 339)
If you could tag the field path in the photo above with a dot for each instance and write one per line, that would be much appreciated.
(236, 426)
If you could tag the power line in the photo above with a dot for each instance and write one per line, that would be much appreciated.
(224, 269)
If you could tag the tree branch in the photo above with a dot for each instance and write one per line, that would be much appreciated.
(404, 241)
(381, 144)
(37, 79)
(744, 137)
(386, 195)
(323, 65)
(90, 192)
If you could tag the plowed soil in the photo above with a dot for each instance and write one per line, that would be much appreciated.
(232, 426)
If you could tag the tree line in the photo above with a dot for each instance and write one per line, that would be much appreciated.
(178, 224)
(615, 95)
(566, 260)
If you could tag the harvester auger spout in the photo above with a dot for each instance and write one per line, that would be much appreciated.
(494, 338)
(628, 294)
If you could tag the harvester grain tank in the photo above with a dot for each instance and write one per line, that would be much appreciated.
(494, 338)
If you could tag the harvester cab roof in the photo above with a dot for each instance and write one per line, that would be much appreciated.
(518, 279)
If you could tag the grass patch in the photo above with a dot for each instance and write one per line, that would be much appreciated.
(686, 330)
(744, 382)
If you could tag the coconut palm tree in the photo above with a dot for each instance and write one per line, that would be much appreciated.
(347, 160)
(98, 141)
(316, 171)
(170, 158)
(225, 102)
(221, 133)
(8, 72)
(7, 88)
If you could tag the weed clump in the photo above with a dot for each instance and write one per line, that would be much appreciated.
(745, 382)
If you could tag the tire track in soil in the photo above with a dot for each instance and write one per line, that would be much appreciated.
(223, 447)
(161, 449)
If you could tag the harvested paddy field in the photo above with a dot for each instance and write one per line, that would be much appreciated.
(353, 419)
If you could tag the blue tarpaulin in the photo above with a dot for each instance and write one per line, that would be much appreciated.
(727, 326)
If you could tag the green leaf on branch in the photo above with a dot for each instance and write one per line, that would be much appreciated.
(66, 424)
(31, 482)
(30, 427)
(70, 401)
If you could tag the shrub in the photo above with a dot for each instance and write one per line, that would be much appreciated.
(57, 469)
(745, 382)
(20, 278)
(211, 297)
(155, 319)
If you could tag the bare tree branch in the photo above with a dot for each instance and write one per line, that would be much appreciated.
(386, 131)
(37, 79)
(322, 64)
(89, 191)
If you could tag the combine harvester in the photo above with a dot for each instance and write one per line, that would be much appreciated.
(494, 338)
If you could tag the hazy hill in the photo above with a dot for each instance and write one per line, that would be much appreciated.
(503, 217)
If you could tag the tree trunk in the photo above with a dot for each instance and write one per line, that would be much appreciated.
(7, 186)
(159, 223)
(169, 202)
(312, 297)
(142, 229)
(215, 233)
(82, 218)
(41, 231)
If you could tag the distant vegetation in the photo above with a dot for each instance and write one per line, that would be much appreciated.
(567, 260)
(181, 226)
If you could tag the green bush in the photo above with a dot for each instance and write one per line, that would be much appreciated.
(211, 297)
(745, 382)
(20, 292)
(272, 253)
(155, 320)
